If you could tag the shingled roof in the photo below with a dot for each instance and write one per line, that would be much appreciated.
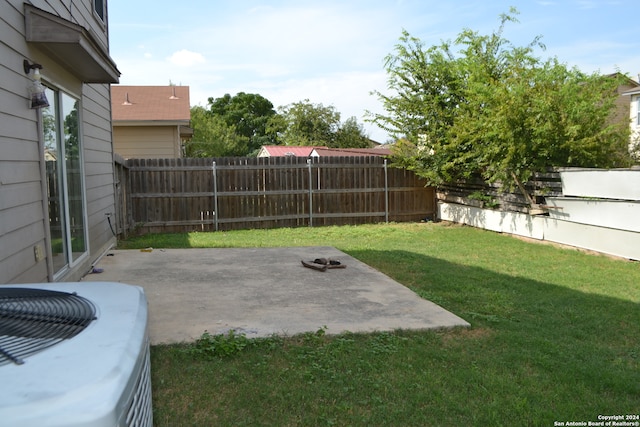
(150, 103)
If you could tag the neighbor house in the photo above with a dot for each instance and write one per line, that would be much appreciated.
(626, 107)
(310, 151)
(634, 115)
(150, 122)
(285, 150)
(380, 150)
(56, 155)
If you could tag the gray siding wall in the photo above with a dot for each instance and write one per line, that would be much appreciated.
(23, 223)
(98, 167)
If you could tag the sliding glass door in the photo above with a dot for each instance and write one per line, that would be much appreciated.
(63, 157)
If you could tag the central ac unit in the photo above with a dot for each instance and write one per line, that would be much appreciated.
(74, 354)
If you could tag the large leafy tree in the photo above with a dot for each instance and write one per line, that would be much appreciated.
(249, 115)
(309, 124)
(482, 105)
(213, 137)
(351, 134)
(305, 123)
(239, 125)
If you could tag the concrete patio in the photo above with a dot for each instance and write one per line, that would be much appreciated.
(265, 291)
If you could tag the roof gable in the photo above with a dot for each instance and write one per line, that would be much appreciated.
(287, 150)
(308, 151)
(150, 103)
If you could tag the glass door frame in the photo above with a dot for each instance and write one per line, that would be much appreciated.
(59, 100)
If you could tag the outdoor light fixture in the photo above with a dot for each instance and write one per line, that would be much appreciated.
(37, 96)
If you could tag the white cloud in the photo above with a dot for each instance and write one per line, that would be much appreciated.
(291, 40)
(332, 52)
(186, 58)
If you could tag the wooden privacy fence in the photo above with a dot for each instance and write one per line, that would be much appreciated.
(177, 195)
(477, 193)
(123, 221)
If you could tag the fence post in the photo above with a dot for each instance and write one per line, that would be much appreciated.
(215, 195)
(386, 192)
(310, 193)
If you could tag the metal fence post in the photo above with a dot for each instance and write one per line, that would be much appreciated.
(310, 193)
(215, 195)
(386, 192)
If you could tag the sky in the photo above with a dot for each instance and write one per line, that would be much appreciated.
(332, 52)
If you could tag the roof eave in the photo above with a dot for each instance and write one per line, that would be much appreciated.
(150, 122)
(71, 45)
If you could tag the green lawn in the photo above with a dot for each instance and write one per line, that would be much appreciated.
(555, 336)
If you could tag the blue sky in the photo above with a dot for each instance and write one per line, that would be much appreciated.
(332, 52)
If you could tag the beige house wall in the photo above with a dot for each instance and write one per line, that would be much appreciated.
(147, 142)
(622, 103)
(627, 110)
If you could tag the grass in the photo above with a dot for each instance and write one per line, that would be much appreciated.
(555, 336)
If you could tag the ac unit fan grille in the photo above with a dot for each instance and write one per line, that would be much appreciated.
(34, 319)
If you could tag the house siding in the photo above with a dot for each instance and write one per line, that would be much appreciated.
(98, 161)
(622, 103)
(635, 112)
(21, 210)
(634, 115)
(147, 142)
(23, 221)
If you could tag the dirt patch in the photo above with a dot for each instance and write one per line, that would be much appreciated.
(464, 334)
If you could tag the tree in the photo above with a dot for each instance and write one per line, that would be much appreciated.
(249, 114)
(305, 123)
(496, 110)
(240, 125)
(309, 124)
(351, 134)
(212, 137)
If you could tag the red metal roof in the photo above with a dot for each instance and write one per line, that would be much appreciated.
(288, 150)
(305, 151)
(352, 152)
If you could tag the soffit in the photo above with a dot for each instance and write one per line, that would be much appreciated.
(71, 45)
